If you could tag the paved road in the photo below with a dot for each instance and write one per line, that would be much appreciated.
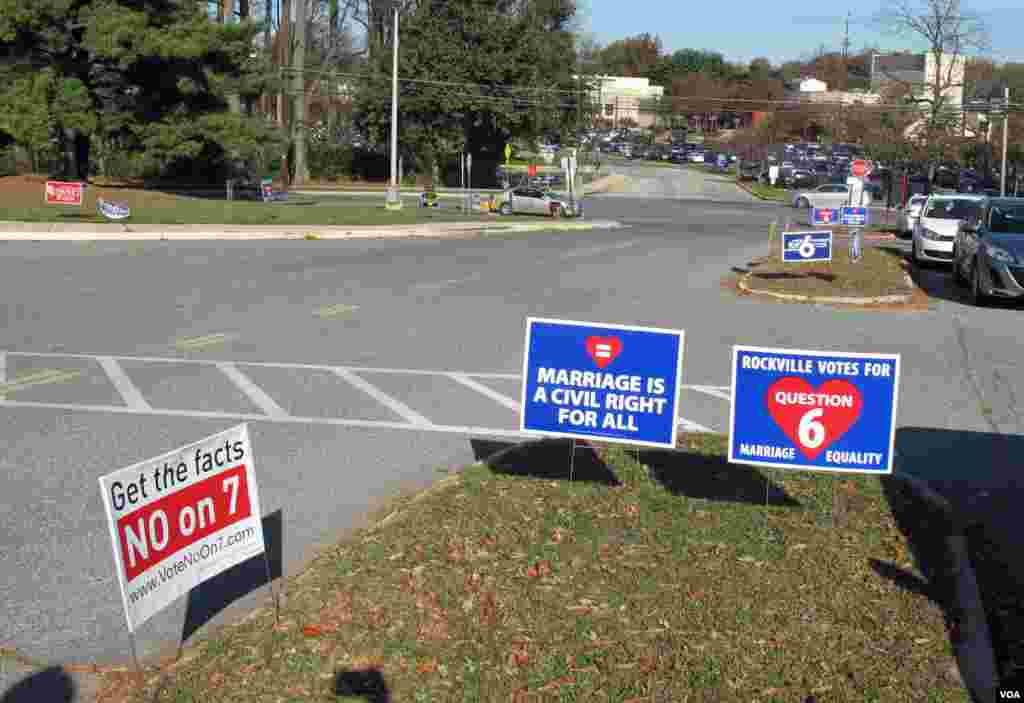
(380, 361)
(647, 180)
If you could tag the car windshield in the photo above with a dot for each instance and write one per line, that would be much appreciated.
(950, 209)
(1008, 220)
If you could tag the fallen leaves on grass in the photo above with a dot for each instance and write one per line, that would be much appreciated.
(520, 655)
(426, 666)
(376, 616)
(312, 630)
(341, 611)
(456, 553)
(558, 683)
(434, 629)
(559, 535)
(473, 582)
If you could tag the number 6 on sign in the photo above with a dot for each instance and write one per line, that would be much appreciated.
(807, 247)
(810, 432)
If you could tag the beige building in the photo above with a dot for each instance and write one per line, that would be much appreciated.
(918, 72)
(625, 100)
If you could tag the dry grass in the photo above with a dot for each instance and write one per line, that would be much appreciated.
(498, 586)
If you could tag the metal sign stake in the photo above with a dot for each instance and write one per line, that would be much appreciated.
(572, 458)
(270, 587)
(135, 654)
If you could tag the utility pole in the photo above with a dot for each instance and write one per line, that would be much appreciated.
(1006, 131)
(298, 117)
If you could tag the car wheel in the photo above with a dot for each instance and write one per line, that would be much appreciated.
(978, 298)
(803, 204)
(505, 209)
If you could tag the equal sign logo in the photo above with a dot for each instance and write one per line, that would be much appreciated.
(603, 350)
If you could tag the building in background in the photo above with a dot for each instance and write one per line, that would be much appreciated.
(917, 72)
(626, 101)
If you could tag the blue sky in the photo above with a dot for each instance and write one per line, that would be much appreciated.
(779, 30)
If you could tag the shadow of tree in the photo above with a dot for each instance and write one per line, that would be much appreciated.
(52, 685)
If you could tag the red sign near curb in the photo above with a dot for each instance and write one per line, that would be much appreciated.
(860, 168)
(64, 192)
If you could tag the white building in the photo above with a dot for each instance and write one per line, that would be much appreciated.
(623, 99)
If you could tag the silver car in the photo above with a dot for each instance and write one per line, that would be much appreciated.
(908, 215)
(533, 201)
(937, 226)
(988, 254)
(830, 195)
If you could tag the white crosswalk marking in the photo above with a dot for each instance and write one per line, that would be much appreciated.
(484, 390)
(129, 393)
(397, 406)
(271, 411)
(256, 394)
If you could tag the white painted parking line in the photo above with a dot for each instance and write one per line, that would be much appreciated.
(129, 393)
(713, 391)
(297, 419)
(691, 426)
(255, 417)
(484, 390)
(395, 405)
(269, 365)
(256, 394)
(450, 282)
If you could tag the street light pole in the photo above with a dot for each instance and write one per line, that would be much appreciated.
(394, 198)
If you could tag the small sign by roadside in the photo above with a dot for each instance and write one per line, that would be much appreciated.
(64, 193)
(806, 247)
(180, 519)
(822, 411)
(854, 216)
(598, 381)
(855, 246)
(823, 216)
(112, 210)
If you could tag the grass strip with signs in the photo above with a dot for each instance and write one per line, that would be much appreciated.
(508, 582)
(881, 271)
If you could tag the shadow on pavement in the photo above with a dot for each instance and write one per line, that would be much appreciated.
(368, 685)
(980, 475)
(52, 685)
(544, 458)
(711, 478)
(211, 597)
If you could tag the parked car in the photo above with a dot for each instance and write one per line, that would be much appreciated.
(907, 216)
(939, 223)
(534, 201)
(799, 178)
(831, 195)
(988, 254)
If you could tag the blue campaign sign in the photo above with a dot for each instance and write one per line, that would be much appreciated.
(824, 411)
(590, 380)
(824, 216)
(807, 246)
(854, 216)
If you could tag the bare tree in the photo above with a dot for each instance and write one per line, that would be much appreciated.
(950, 32)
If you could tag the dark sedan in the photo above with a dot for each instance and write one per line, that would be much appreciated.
(800, 178)
(988, 254)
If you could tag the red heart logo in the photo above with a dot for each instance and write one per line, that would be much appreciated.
(603, 350)
(813, 419)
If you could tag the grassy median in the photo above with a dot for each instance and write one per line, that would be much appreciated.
(509, 582)
(880, 272)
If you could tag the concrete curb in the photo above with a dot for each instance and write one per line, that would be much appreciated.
(977, 659)
(229, 232)
(877, 300)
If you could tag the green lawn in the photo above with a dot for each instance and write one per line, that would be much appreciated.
(168, 210)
